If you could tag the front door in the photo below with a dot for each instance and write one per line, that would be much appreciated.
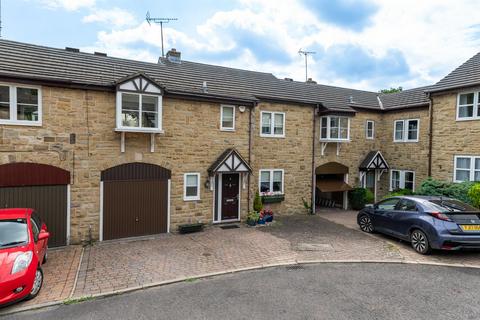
(230, 195)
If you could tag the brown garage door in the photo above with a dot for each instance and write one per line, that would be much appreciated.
(40, 187)
(135, 200)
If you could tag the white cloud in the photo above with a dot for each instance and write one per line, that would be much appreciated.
(115, 17)
(69, 5)
(433, 36)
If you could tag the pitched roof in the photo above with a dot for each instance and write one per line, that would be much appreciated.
(50, 64)
(405, 98)
(466, 75)
(373, 160)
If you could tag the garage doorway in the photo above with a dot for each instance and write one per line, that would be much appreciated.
(43, 188)
(134, 200)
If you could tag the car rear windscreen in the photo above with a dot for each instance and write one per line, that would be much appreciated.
(453, 206)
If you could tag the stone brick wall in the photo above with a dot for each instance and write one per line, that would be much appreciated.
(404, 155)
(451, 137)
(293, 154)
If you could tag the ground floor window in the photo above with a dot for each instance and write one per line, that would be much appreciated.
(402, 179)
(467, 168)
(191, 190)
(271, 181)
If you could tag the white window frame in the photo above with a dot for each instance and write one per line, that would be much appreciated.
(222, 128)
(405, 130)
(271, 171)
(120, 126)
(372, 137)
(475, 115)
(197, 196)
(13, 105)
(472, 167)
(272, 125)
(402, 178)
(328, 138)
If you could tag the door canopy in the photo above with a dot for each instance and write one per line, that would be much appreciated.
(32, 174)
(331, 168)
(373, 161)
(230, 161)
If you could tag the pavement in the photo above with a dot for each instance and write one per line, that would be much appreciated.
(120, 266)
(315, 291)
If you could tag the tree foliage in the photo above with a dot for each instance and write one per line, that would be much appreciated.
(474, 195)
(459, 191)
(391, 90)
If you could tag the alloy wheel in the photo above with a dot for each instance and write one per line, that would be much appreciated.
(366, 224)
(37, 283)
(420, 242)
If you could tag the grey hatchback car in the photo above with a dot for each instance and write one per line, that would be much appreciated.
(427, 222)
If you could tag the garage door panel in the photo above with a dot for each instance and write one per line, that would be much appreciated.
(134, 208)
(49, 201)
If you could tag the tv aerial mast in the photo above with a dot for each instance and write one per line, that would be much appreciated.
(305, 54)
(159, 21)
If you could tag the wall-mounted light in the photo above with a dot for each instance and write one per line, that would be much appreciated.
(207, 184)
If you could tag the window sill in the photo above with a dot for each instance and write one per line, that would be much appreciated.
(191, 199)
(227, 130)
(21, 123)
(467, 119)
(272, 136)
(139, 130)
(413, 141)
(336, 140)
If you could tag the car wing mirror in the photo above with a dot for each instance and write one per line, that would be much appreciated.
(43, 235)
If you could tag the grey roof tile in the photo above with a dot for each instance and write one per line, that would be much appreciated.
(27, 60)
(466, 75)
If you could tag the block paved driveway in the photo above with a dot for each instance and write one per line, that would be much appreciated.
(119, 265)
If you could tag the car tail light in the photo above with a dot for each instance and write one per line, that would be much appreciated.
(440, 216)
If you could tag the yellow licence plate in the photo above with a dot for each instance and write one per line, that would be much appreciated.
(470, 227)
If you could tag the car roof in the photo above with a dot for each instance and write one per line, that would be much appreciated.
(15, 213)
(424, 197)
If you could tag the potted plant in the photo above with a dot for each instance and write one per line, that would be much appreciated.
(266, 215)
(252, 218)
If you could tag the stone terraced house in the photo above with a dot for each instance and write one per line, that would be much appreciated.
(107, 148)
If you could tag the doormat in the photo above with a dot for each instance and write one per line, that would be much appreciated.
(231, 226)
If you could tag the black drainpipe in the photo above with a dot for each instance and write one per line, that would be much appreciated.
(313, 209)
(430, 134)
(250, 133)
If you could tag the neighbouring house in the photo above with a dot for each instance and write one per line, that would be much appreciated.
(109, 148)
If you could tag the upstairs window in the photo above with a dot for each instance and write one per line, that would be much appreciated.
(20, 105)
(139, 106)
(467, 168)
(227, 118)
(272, 124)
(468, 106)
(370, 129)
(406, 130)
(334, 128)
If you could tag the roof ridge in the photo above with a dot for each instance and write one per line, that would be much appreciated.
(460, 66)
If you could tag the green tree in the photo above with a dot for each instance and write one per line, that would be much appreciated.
(391, 90)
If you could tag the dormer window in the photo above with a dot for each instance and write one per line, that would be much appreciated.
(139, 105)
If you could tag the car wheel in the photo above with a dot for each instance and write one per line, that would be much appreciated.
(37, 284)
(365, 223)
(45, 257)
(419, 241)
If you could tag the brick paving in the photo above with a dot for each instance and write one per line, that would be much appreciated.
(59, 276)
(327, 236)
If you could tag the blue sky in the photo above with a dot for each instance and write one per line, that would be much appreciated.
(365, 44)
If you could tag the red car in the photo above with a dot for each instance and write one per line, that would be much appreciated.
(23, 249)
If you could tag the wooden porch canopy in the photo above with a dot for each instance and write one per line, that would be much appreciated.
(373, 161)
(230, 161)
(326, 185)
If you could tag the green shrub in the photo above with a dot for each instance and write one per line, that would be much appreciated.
(459, 191)
(257, 202)
(400, 192)
(474, 195)
(359, 197)
(253, 216)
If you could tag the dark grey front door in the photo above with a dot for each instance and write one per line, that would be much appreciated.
(230, 195)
